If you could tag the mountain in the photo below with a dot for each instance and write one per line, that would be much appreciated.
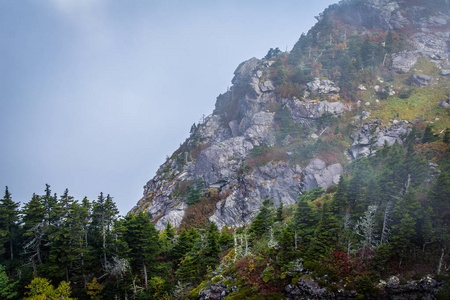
(367, 74)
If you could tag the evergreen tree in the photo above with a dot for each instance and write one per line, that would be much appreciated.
(263, 219)
(340, 203)
(8, 289)
(439, 197)
(60, 238)
(9, 217)
(428, 135)
(389, 44)
(325, 235)
(304, 221)
(104, 214)
(35, 229)
(446, 136)
(279, 217)
(212, 245)
(142, 240)
(193, 266)
(406, 214)
(182, 247)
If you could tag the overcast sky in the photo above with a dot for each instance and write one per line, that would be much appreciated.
(95, 94)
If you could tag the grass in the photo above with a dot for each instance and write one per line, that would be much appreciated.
(422, 104)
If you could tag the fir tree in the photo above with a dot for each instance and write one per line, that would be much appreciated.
(279, 217)
(263, 219)
(340, 203)
(9, 217)
(405, 231)
(325, 236)
(428, 135)
(34, 226)
(142, 240)
(304, 221)
(182, 247)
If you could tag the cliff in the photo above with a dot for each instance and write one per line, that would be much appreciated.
(292, 122)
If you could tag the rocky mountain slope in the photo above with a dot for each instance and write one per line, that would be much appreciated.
(293, 121)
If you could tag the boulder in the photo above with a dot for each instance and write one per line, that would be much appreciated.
(445, 103)
(421, 80)
(444, 72)
(316, 174)
(305, 112)
(322, 86)
(403, 61)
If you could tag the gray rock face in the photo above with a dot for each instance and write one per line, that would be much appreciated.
(316, 174)
(370, 137)
(403, 61)
(244, 72)
(421, 80)
(305, 112)
(432, 45)
(444, 72)
(277, 181)
(260, 126)
(322, 86)
(159, 202)
(221, 161)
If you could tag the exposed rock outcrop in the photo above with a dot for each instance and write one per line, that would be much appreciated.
(371, 136)
(445, 103)
(307, 111)
(277, 181)
(421, 80)
(322, 86)
(425, 288)
(403, 61)
(316, 174)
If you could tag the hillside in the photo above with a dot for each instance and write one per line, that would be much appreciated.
(323, 173)
(365, 74)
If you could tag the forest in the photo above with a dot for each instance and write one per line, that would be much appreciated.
(388, 215)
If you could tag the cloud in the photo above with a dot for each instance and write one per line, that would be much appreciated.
(86, 17)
